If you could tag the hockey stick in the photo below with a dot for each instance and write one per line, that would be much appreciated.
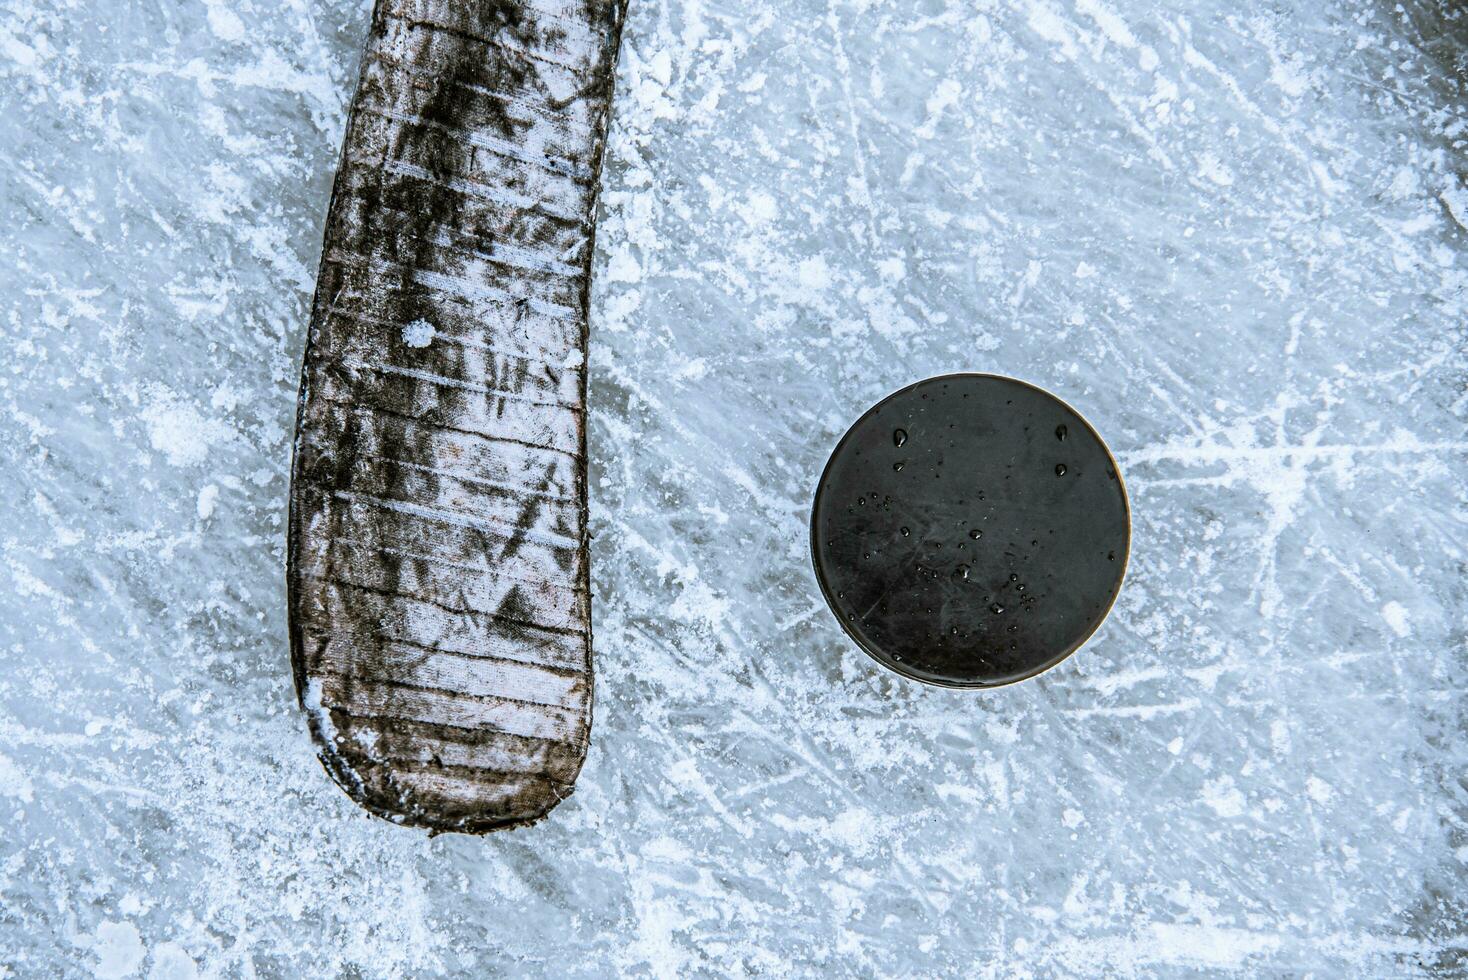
(438, 582)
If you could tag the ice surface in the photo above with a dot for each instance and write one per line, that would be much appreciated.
(1233, 237)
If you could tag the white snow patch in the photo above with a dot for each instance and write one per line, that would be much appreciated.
(224, 22)
(13, 782)
(892, 269)
(419, 333)
(624, 267)
(208, 498)
(661, 68)
(753, 83)
(762, 208)
(1224, 797)
(1396, 617)
(1319, 790)
(171, 962)
(1044, 21)
(1211, 167)
(694, 370)
(856, 829)
(944, 97)
(1111, 24)
(1209, 946)
(698, 603)
(814, 274)
(179, 431)
(120, 950)
(17, 51)
(1290, 76)
(1327, 183)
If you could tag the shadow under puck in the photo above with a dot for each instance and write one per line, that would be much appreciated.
(970, 530)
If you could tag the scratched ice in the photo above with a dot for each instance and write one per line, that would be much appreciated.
(1233, 237)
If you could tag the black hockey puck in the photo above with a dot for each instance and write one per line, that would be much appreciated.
(970, 530)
